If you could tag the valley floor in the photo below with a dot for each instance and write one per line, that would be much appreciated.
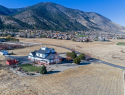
(92, 79)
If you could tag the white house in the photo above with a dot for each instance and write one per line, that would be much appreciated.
(44, 56)
(3, 52)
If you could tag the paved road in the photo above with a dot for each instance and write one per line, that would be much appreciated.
(93, 59)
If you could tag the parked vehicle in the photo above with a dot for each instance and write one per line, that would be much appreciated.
(3, 52)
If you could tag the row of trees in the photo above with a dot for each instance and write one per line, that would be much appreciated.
(73, 55)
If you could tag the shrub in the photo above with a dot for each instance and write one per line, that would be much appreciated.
(73, 54)
(8, 36)
(12, 39)
(35, 62)
(76, 60)
(43, 70)
(73, 39)
(87, 40)
(68, 54)
(82, 56)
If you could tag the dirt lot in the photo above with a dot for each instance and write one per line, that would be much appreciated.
(93, 79)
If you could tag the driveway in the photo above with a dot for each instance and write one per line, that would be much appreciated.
(21, 59)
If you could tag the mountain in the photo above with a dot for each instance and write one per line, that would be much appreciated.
(8, 22)
(51, 16)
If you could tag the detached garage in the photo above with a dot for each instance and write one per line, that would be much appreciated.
(3, 52)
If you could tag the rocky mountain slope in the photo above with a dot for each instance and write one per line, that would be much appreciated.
(56, 17)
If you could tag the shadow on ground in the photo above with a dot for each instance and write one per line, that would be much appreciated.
(52, 72)
(12, 54)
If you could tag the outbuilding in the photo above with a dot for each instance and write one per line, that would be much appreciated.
(3, 52)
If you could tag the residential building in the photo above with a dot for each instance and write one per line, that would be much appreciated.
(44, 56)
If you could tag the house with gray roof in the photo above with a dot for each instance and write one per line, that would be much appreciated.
(44, 56)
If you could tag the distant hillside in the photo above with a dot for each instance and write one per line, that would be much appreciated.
(7, 22)
(51, 16)
(5, 11)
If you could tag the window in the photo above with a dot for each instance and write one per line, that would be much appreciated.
(43, 56)
(38, 54)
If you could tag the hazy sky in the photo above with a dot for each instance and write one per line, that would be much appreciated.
(112, 9)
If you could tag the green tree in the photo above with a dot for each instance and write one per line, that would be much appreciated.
(82, 56)
(76, 60)
(68, 54)
(43, 70)
(73, 55)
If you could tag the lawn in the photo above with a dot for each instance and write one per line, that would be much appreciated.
(29, 67)
(121, 43)
(81, 35)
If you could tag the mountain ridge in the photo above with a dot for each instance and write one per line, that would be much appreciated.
(52, 16)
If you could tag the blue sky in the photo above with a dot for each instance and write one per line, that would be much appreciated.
(112, 9)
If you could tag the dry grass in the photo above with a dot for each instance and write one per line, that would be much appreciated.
(93, 79)
(100, 50)
(27, 50)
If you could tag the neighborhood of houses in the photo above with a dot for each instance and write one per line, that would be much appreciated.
(47, 56)
(79, 36)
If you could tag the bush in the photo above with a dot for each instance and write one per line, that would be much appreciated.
(73, 54)
(68, 54)
(76, 60)
(8, 36)
(12, 39)
(82, 56)
(43, 70)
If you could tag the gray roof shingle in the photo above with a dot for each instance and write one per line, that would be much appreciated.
(42, 51)
(48, 57)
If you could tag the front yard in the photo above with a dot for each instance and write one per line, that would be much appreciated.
(29, 67)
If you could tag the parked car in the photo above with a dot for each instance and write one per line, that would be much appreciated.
(3, 52)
